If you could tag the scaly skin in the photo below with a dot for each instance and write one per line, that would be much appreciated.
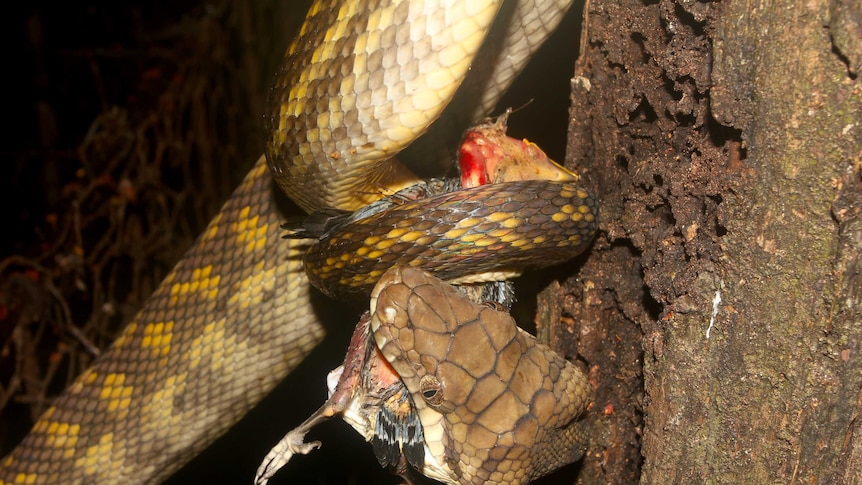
(496, 406)
(234, 317)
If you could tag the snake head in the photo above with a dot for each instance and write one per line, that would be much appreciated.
(495, 405)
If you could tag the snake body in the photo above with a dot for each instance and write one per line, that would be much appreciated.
(459, 236)
(362, 80)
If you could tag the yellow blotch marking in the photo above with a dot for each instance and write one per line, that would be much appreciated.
(62, 435)
(507, 238)
(385, 244)
(582, 194)
(324, 51)
(212, 229)
(41, 426)
(85, 379)
(372, 240)
(375, 254)
(250, 291)
(343, 13)
(583, 209)
(127, 332)
(397, 232)
(158, 336)
(156, 408)
(359, 46)
(25, 478)
(201, 282)
(314, 10)
(201, 273)
(538, 239)
(577, 217)
(512, 223)
(472, 237)
(215, 349)
(241, 224)
(486, 241)
(470, 222)
(412, 236)
(568, 209)
(90, 461)
(559, 217)
(118, 395)
(211, 232)
(499, 216)
(114, 378)
(244, 213)
(248, 234)
(258, 237)
(454, 233)
(257, 171)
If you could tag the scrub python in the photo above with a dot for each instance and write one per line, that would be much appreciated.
(362, 80)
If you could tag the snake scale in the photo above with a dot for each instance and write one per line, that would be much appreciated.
(363, 79)
(458, 353)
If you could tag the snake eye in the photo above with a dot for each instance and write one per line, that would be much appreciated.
(431, 390)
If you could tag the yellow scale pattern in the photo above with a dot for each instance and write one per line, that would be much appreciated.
(240, 292)
(459, 237)
(385, 92)
(223, 328)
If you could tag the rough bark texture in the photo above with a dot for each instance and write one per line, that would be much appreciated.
(725, 141)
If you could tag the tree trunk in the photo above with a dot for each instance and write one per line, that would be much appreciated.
(725, 141)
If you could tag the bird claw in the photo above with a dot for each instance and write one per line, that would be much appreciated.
(293, 443)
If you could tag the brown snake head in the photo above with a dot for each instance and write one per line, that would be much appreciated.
(495, 405)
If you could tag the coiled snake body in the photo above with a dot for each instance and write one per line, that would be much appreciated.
(363, 79)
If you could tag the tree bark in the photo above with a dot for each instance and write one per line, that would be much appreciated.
(725, 141)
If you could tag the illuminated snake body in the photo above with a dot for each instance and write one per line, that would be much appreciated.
(363, 79)
(495, 405)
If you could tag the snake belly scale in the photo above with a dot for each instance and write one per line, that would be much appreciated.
(234, 316)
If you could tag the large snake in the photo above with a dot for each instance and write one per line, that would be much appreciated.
(362, 80)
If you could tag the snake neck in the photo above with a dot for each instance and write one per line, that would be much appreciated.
(315, 187)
